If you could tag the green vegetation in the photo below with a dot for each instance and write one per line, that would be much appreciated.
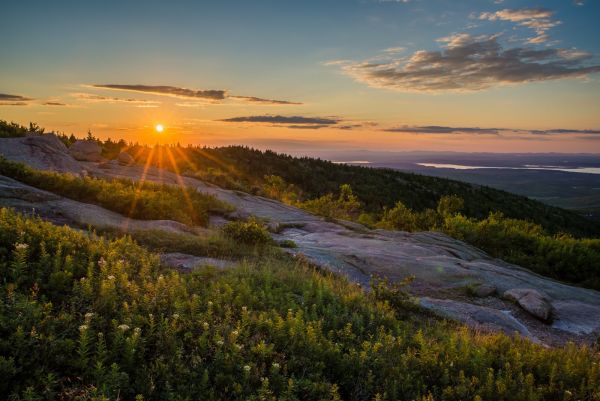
(526, 244)
(90, 319)
(137, 200)
(250, 232)
(12, 130)
(214, 245)
(346, 206)
(298, 179)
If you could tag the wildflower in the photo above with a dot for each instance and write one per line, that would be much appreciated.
(275, 365)
(21, 246)
(246, 368)
(88, 315)
(239, 347)
(234, 333)
(123, 327)
(111, 277)
(244, 309)
(205, 325)
(175, 315)
(210, 304)
(83, 327)
(137, 331)
(220, 342)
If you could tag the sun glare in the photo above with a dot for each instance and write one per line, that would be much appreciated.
(159, 128)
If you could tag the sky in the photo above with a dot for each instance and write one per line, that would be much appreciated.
(304, 76)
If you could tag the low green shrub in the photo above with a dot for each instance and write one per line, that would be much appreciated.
(250, 232)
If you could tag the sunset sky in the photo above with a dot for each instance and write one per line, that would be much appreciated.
(296, 76)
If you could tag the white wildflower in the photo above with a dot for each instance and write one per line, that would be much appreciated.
(247, 368)
(244, 309)
(111, 277)
(275, 365)
(175, 315)
(21, 246)
(210, 303)
(234, 333)
(137, 331)
(220, 342)
(205, 325)
(83, 327)
(123, 327)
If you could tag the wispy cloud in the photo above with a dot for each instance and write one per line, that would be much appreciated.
(302, 122)
(92, 98)
(283, 120)
(437, 129)
(14, 100)
(254, 99)
(470, 63)
(538, 19)
(53, 103)
(213, 95)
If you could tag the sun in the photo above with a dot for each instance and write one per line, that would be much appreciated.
(159, 128)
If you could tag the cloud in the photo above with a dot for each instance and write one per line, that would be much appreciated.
(167, 90)
(14, 100)
(470, 63)
(563, 131)
(210, 95)
(538, 19)
(254, 99)
(92, 98)
(296, 120)
(437, 129)
(52, 103)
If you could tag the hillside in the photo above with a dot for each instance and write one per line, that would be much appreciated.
(255, 298)
(245, 168)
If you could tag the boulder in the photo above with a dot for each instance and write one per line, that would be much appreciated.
(125, 159)
(532, 301)
(86, 150)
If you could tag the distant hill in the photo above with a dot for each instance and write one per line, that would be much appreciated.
(244, 168)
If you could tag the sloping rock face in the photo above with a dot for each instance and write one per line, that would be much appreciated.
(44, 152)
(442, 266)
(85, 150)
(61, 210)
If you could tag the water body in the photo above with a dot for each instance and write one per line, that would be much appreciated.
(584, 170)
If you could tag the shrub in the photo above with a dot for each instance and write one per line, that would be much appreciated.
(137, 200)
(251, 232)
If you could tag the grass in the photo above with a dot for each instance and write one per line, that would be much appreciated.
(146, 201)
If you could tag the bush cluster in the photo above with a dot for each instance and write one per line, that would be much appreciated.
(146, 201)
(249, 232)
(83, 318)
